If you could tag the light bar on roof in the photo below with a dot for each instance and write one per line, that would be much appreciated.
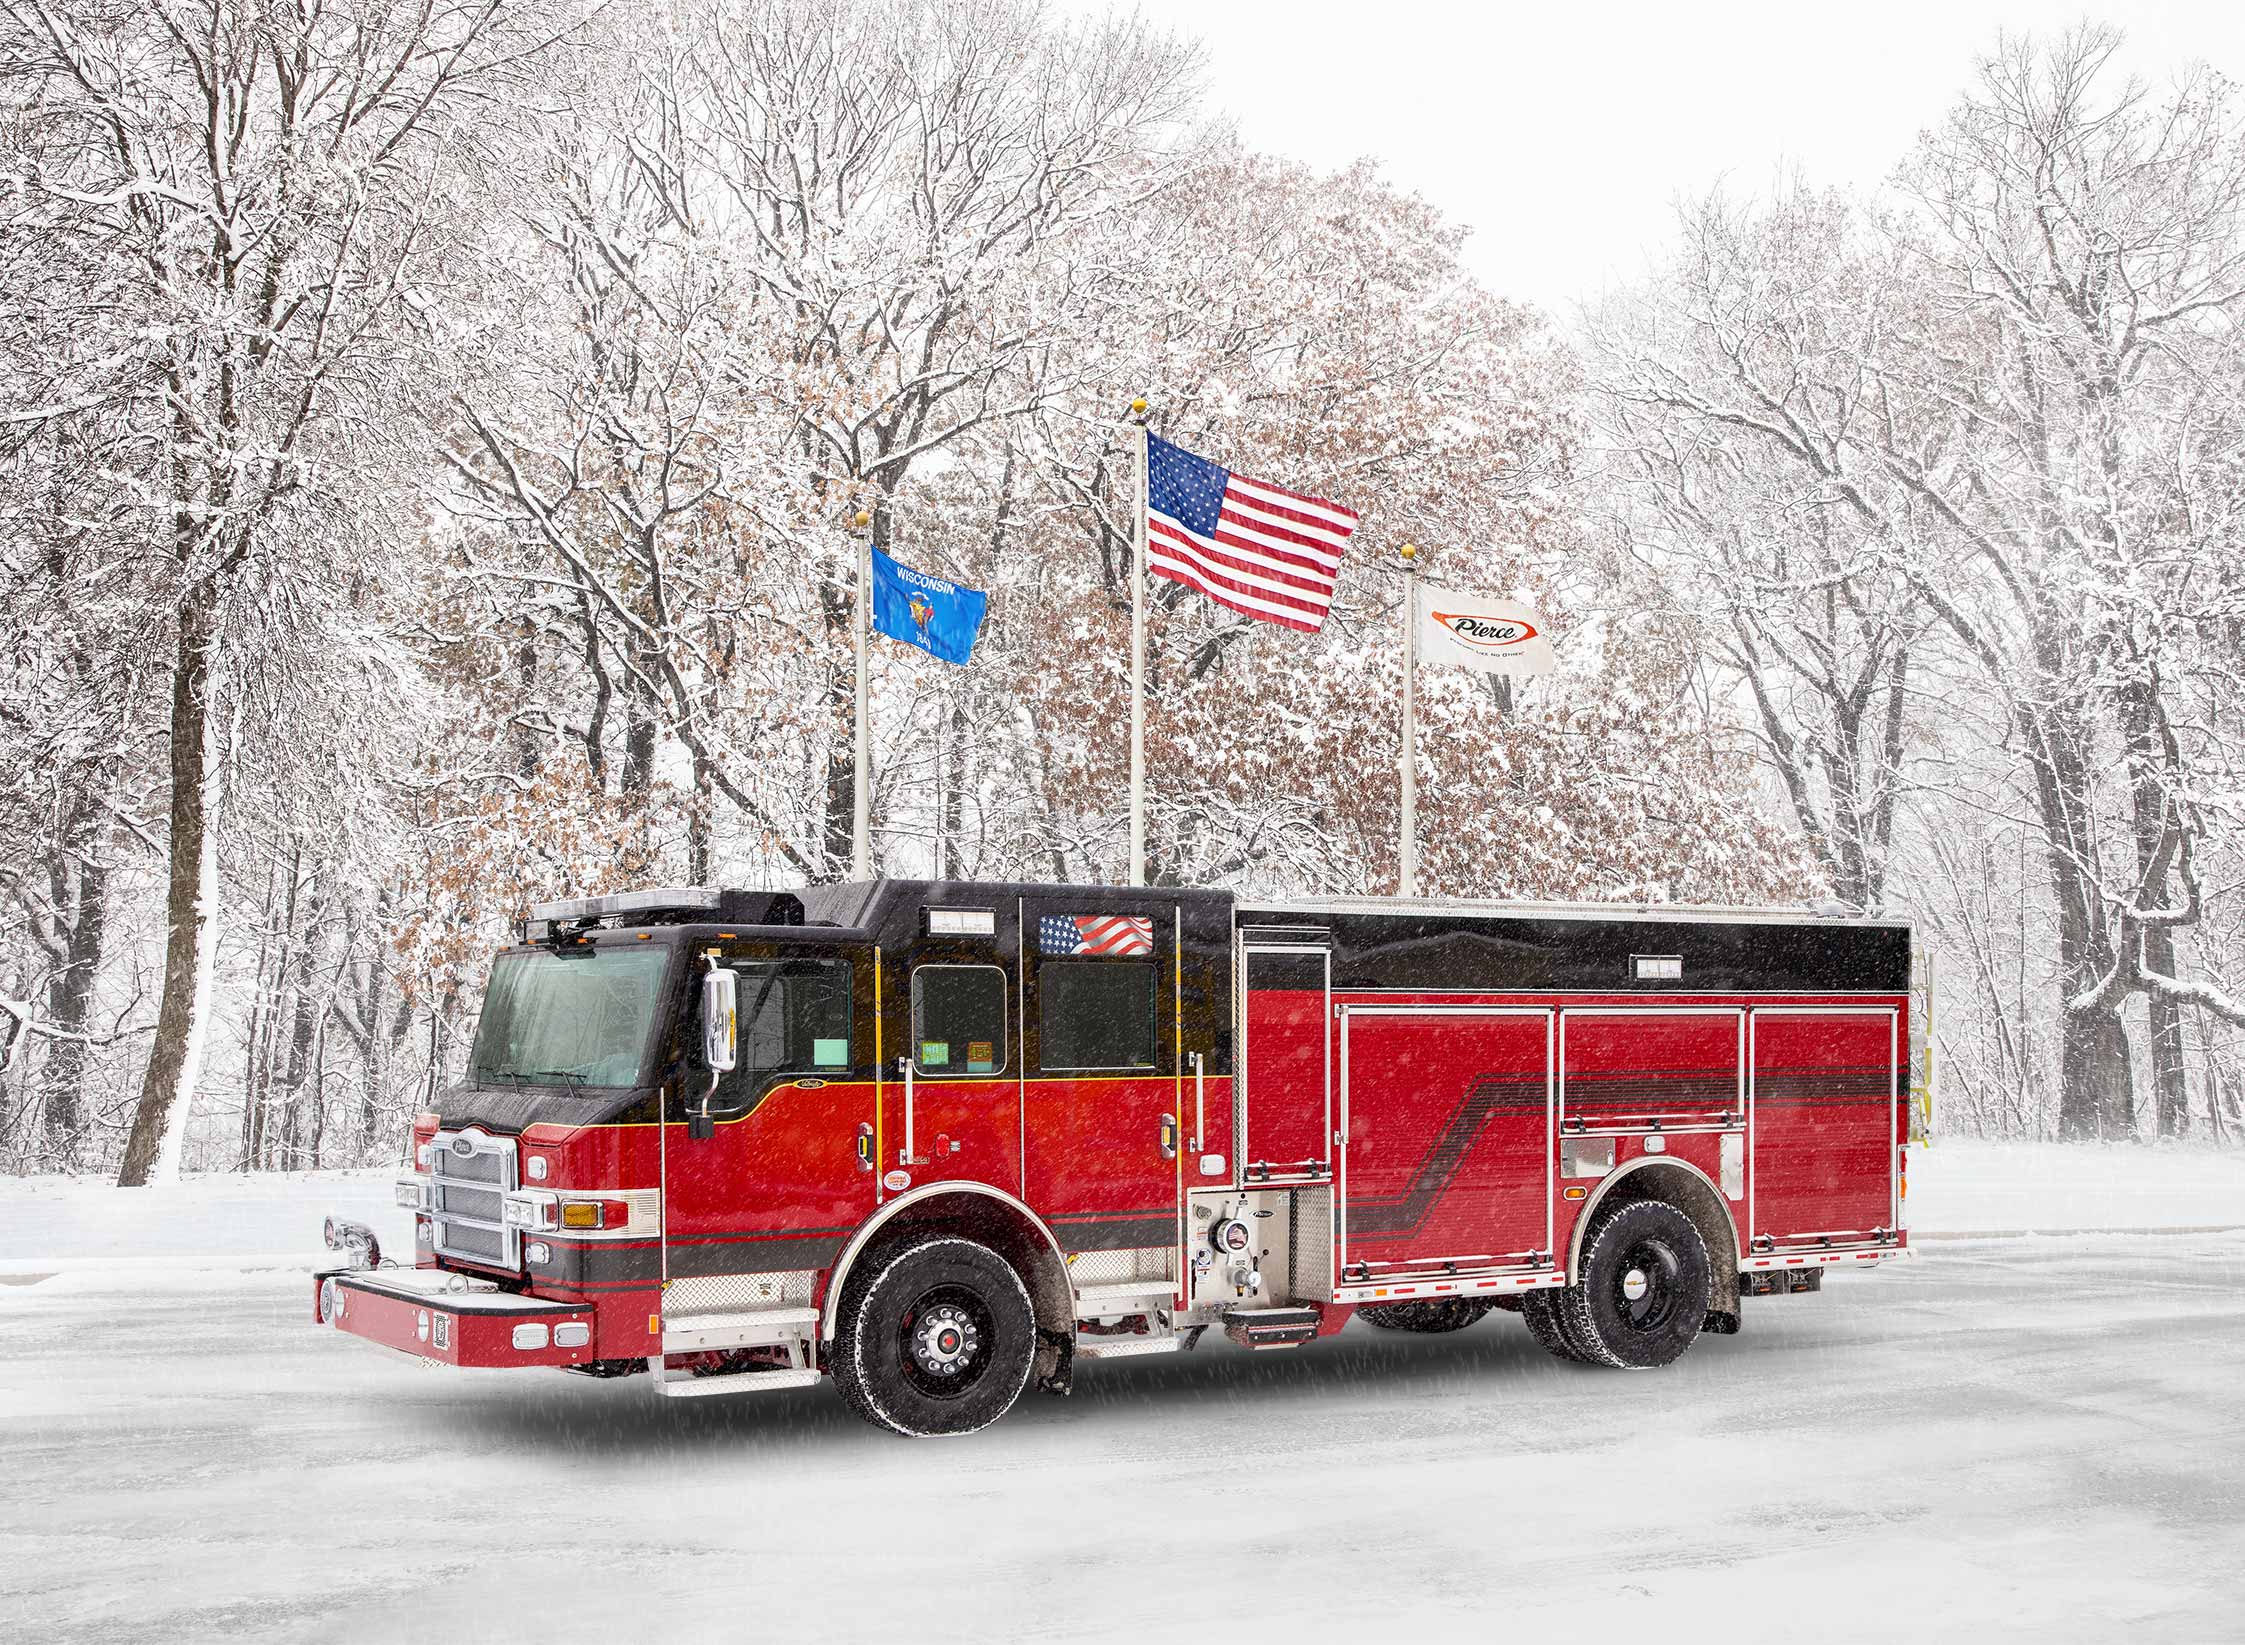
(661, 899)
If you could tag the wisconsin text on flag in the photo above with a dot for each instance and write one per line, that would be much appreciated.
(1095, 934)
(1258, 548)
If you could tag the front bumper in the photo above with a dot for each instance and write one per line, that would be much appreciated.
(426, 1312)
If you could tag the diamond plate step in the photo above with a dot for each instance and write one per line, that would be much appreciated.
(1125, 1347)
(1133, 1296)
(745, 1328)
(736, 1382)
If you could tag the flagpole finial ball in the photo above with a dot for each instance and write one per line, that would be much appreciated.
(1138, 408)
(861, 519)
(1409, 551)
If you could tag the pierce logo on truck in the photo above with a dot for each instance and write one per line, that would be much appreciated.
(943, 1142)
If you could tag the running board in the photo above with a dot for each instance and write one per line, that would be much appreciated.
(675, 1386)
(1125, 1347)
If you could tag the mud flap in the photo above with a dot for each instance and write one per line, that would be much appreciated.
(1055, 1364)
(1720, 1325)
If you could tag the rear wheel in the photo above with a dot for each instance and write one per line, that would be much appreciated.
(1545, 1323)
(1430, 1314)
(939, 1340)
(1642, 1291)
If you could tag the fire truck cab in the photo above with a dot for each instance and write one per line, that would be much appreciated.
(937, 1140)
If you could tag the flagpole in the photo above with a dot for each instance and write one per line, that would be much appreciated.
(1138, 660)
(1408, 854)
(861, 812)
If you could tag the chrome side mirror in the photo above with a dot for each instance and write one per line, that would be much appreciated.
(720, 1027)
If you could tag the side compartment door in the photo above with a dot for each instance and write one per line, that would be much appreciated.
(1824, 1125)
(1285, 1114)
(1447, 1127)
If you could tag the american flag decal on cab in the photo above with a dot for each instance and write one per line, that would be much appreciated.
(1095, 934)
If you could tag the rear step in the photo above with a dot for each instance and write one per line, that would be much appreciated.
(1272, 1327)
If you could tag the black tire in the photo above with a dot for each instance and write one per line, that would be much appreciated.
(1641, 1292)
(1429, 1314)
(1541, 1310)
(938, 1340)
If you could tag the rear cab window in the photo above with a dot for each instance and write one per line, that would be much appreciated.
(958, 1020)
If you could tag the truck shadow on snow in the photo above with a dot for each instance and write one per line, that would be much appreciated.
(1491, 1373)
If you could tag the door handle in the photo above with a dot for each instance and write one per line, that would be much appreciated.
(1169, 1136)
(907, 1155)
(864, 1146)
(1200, 1102)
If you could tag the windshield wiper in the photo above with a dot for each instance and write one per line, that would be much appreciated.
(569, 1074)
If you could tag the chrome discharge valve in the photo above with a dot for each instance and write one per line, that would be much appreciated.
(1235, 1241)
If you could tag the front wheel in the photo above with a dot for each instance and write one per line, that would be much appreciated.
(938, 1341)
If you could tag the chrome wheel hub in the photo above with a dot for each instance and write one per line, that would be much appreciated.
(1634, 1285)
(945, 1341)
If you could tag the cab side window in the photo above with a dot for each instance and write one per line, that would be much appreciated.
(958, 1020)
(1095, 1014)
(794, 1019)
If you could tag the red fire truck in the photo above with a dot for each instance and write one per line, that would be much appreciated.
(938, 1140)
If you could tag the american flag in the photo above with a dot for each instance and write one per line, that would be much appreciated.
(1258, 548)
(1095, 934)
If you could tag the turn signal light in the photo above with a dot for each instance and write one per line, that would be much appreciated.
(594, 1213)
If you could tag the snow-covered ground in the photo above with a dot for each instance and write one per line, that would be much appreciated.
(2013, 1438)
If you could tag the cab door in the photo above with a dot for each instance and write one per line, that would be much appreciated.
(951, 1093)
(760, 1167)
(1106, 1102)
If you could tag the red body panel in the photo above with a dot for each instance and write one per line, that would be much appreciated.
(1629, 1069)
(1096, 1171)
(1288, 1108)
(1826, 1127)
(1448, 1121)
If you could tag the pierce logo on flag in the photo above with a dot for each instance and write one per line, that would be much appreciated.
(1483, 634)
(1262, 550)
(1489, 636)
(1095, 934)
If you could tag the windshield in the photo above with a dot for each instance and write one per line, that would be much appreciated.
(577, 1021)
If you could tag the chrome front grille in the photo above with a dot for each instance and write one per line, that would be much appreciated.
(469, 1175)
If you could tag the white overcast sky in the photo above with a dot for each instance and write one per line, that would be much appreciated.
(1562, 133)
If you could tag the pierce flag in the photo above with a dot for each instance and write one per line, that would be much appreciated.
(1493, 636)
(939, 617)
